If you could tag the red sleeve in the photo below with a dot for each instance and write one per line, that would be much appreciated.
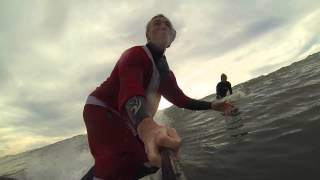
(171, 91)
(131, 70)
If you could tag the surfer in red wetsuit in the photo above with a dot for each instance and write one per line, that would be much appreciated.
(123, 136)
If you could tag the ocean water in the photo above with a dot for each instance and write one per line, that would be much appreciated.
(276, 136)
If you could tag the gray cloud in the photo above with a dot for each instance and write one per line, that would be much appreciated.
(55, 18)
(246, 35)
(228, 26)
(45, 116)
(313, 41)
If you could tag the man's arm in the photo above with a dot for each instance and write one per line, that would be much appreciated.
(218, 91)
(132, 100)
(230, 88)
(171, 91)
(174, 94)
(131, 71)
(136, 110)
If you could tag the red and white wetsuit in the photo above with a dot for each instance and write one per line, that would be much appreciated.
(117, 150)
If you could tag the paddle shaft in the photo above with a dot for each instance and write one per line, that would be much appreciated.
(171, 168)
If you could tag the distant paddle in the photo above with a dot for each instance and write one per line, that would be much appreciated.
(171, 168)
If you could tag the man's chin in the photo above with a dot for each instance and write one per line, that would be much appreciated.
(162, 44)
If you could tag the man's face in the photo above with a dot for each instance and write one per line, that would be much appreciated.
(160, 32)
(223, 78)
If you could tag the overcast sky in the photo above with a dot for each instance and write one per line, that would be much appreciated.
(54, 53)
